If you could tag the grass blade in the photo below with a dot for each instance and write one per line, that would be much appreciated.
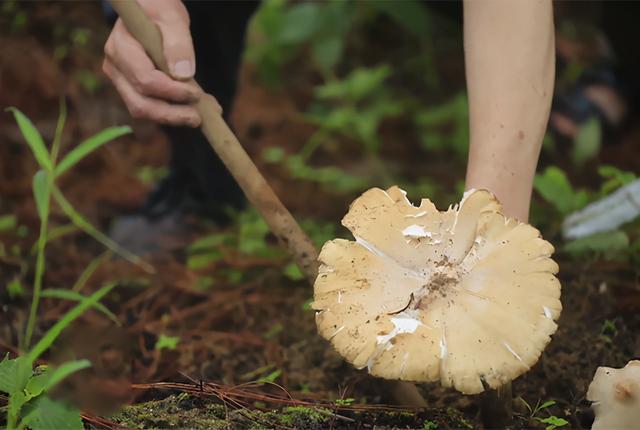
(88, 146)
(40, 194)
(74, 296)
(90, 269)
(33, 138)
(53, 333)
(88, 228)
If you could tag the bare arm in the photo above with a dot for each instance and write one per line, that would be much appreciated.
(510, 65)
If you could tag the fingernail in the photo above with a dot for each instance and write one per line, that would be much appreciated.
(183, 69)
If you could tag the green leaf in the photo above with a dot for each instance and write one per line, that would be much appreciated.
(273, 155)
(200, 261)
(327, 51)
(40, 193)
(553, 422)
(44, 413)
(77, 297)
(88, 146)
(587, 142)
(167, 342)
(13, 376)
(14, 288)
(271, 377)
(8, 222)
(207, 243)
(300, 22)
(555, 188)
(57, 374)
(88, 228)
(546, 404)
(607, 243)
(33, 138)
(292, 272)
(409, 14)
(52, 334)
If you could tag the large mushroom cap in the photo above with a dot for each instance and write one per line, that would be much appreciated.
(466, 296)
(615, 394)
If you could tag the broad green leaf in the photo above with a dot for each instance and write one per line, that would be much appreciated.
(52, 334)
(14, 374)
(607, 243)
(8, 222)
(44, 413)
(555, 188)
(33, 138)
(88, 146)
(40, 193)
(77, 297)
(167, 342)
(587, 142)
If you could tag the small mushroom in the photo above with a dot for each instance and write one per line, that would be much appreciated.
(466, 296)
(615, 394)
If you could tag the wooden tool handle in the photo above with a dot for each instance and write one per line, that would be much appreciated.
(228, 148)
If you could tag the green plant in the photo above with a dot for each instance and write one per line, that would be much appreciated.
(608, 329)
(446, 126)
(282, 29)
(614, 178)
(554, 187)
(610, 245)
(29, 405)
(587, 142)
(552, 421)
(355, 107)
(429, 425)
(348, 401)
(44, 187)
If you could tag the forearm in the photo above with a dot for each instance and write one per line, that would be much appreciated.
(510, 66)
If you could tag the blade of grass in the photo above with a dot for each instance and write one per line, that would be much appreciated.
(90, 269)
(88, 228)
(53, 333)
(33, 138)
(88, 146)
(55, 293)
(42, 186)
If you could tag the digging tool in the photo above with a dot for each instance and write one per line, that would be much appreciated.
(258, 192)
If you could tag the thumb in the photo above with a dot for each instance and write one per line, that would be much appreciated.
(178, 48)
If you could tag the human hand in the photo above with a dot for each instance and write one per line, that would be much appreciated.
(148, 92)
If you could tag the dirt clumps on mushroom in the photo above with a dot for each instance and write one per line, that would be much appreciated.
(465, 296)
(615, 394)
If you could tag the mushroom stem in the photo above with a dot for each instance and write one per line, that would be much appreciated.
(240, 165)
(496, 407)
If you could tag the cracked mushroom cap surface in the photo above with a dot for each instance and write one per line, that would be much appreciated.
(615, 394)
(465, 296)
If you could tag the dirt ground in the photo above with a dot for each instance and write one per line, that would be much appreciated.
(234, 333)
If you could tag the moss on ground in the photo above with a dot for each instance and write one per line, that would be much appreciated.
(184, 411)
